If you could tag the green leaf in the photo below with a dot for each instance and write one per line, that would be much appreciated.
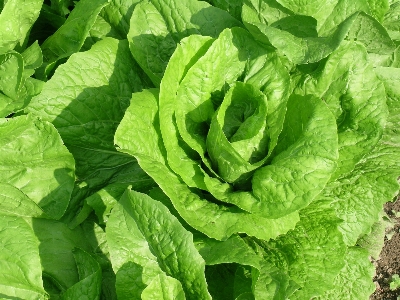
(14, 202)
(70, 37)
(360, 113)
(164, 24)
(16, 87)
(391, 21)
(345, 8)
(372, 34)
(96, 237)
(16, 20)
(318, 9)
(374, 180)
(164, 288)
(264, 11)
(89, 277)
(85, 100)
(21, 274)
(313, 250)
(215, 220)
(301, 45)
(100, 29)
(355, 279)
(233, 7)
(374, 240)
(118, 14)
(305, 158)
(105, 199)
(11, 74)
(232, 250)
(189, 112)
(57, 243)
(41, 168)
(153, 235)
(237, 139)
(32, 56)
(395, 282)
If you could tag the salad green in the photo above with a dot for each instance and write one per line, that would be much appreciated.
(196, 150)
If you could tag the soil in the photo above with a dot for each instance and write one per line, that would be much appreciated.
(389, 260)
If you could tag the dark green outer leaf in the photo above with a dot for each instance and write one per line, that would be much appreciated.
(85, 100)
(89, 277)
(56, 246)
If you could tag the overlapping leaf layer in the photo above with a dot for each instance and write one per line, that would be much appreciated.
(196, 150)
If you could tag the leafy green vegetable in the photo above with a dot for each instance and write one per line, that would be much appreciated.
(196, 150)
(40, 153)
(19, 260)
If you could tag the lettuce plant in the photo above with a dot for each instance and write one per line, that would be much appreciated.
(192, 150)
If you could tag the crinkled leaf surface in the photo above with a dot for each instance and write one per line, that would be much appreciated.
(374, 180)
(164, 24)
(21, 274)
(85, 100)
(305, 160)
(16, 20)
(300, 252)
(34, 160)
(360, 113)
(215, 220)
(159, 244)
(355, 279)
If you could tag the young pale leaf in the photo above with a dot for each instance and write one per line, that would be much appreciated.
(159, 244)
(21, 273)
(14, 202)
(16, 20)
(215, 220)
(163, 287)
(237, 141)
(42, 167)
